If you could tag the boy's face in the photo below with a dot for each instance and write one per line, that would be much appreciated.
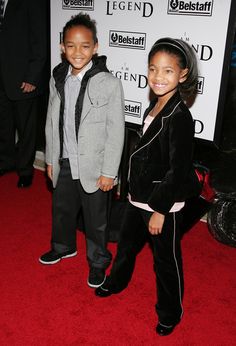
(79, 47)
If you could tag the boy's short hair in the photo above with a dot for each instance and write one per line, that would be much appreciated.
(82, 19)
(187, 59)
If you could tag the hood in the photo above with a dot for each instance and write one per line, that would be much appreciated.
(61, 70)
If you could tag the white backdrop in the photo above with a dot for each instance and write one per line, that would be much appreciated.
(126, 32)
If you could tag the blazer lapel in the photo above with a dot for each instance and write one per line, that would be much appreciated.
(86, 106)
(156, 125)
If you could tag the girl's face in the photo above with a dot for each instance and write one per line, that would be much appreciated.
(164, 74)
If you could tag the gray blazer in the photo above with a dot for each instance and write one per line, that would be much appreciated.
(101, 130)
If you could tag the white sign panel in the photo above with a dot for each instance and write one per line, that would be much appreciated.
(128, 29)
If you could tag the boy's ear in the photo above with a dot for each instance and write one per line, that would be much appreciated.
(95, 49)
(183, 75)
(62, 48)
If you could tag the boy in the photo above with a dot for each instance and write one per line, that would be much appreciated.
(84, 141)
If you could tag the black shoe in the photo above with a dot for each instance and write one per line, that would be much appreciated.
(164, 330)
(96, 277)
(107, 288)
(53, 257)
(103, 292)
(25, 181)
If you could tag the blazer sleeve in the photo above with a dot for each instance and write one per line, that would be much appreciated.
(114, 130)
(37, 40)
(48, 127)
(181, 133)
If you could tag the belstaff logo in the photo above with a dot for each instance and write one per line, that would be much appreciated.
(200, 85)
(127, 39)
(87, 5)
(133, 108)
(142, 7)
(190, 8)
(125, 75)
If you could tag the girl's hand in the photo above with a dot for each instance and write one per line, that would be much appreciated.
(49, 171)
(105, 183)
(156, 223)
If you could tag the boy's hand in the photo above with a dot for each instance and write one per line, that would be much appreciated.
(49, 171)
(156, 223)
(27, 87)
(105, 183)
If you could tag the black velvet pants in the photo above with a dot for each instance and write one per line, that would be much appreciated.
(167, 260)
(69, 199)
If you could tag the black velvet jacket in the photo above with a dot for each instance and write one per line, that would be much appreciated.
(161, 170)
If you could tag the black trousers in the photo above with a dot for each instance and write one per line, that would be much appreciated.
(69, 198)
(167, 260)
(20, 116)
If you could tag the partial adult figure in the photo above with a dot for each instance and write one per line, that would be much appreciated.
(22, 62)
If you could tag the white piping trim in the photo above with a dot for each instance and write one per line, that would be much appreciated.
(177, 269)
(164, 325)
(162, 122)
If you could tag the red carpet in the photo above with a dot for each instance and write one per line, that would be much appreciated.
(52, 305)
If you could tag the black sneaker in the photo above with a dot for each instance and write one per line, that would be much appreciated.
(53, 257)
(96, 277)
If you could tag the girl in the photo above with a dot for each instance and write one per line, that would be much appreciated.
(161, 177)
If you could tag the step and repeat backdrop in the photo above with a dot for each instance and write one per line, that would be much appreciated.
(128, 29)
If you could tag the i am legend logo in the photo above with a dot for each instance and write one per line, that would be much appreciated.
(127, 39)
(133, 108)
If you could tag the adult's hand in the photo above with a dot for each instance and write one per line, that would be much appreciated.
(27, 87)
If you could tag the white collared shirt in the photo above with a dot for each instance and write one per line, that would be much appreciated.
(70, 145)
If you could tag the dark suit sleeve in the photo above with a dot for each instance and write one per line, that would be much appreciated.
(38, 40)
(181, 134)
